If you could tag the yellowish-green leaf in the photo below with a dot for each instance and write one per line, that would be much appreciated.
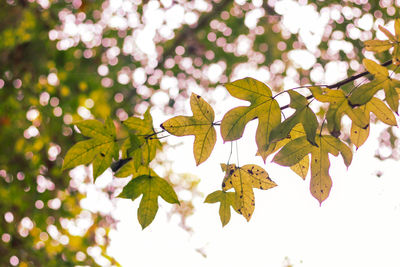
(226, 199)
(397, 29)
(387, 33)
(151, 187)
(143, 143)
(301, 168)
(374, 68)
(201, 125)
(303, 114)
(364, 93)
(100, 150)
(243, 180)
(262, 106)
(394, 41)
(130, 169)
(295, 150)
(381, 111)
(378, 45)
(358, 135)
(337, 108)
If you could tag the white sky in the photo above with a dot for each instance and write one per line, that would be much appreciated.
(356, 226)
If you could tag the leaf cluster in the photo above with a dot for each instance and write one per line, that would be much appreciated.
(302, 141)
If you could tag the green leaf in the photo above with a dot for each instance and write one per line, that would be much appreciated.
(100, 150)
(321, 181)
(151, 187)
(201, 125)
(303, 114)
(226, 199)
(262, 106)
(338, 106)
(143, 142)
(243, 180)
(361, 95)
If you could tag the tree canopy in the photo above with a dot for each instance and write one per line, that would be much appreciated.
(79, 81)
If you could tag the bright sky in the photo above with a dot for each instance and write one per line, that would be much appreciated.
(358, 225)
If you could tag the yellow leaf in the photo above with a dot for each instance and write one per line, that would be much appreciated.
(397, 29)
(378, 45)
(243, 180)
(387, 33)
(262, 106)
(381, 111)
(339, 106)
(394, 41)
(294, 151)
(201, 125)
(359, 135)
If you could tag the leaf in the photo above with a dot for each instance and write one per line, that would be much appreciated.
(262, 106)
(295, 150)
(300, 168)
(201, 125)
(100, 150)
(226, 199)
(378, 45)
(358, 135)
(382, 112)
(243, 180)
(338, 106)
(130, 169)
(151, 187)
(361, 95)
(383, 45)
(143, 143)
(303, 115)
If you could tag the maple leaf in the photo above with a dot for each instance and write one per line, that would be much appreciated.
(201, 125)
(100, 150)
(226, 199)
(361, 95)
(297, 149)
(262, 106)
(243, 180)
(300, 168)
(151, 187)
(303, 115)
(359, 135)
(143, 143)
(383, 45)
(338, 106)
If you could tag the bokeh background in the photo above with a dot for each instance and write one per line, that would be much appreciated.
(62, 61)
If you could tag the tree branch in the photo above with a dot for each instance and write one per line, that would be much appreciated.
(345, 81)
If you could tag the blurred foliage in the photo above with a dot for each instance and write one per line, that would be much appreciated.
(53, 73)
